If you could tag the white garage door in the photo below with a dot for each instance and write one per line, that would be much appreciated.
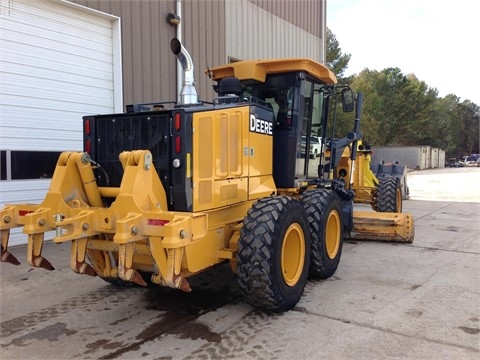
(58, 62)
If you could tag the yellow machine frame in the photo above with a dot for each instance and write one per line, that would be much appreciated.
(363, 180)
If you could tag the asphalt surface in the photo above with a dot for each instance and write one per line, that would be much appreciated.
(386, 301)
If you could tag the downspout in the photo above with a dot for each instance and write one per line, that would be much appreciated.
(323, 32)
(179, 37)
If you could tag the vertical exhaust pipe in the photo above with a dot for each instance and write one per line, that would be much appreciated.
(188, 93)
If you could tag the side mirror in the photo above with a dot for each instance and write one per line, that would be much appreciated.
(348, 100)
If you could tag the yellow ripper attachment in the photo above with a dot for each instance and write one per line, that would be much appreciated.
(398, 227)
(71, 190)
(135, 232)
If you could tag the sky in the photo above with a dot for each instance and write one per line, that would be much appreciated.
(437, 40)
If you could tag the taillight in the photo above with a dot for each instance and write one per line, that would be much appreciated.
(86, 127)
(157, 222)
(178, 144)
(177, 119)
(88, 146)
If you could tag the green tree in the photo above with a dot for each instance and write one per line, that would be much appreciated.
(400, 109)
(336, 60)
(397, 108)
(367, 83)
(467, 118)
(417, 125)
(448, 130)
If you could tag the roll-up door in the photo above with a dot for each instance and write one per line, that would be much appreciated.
(58, 62)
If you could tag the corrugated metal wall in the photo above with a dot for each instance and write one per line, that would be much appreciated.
(147, 72)
(265, 35)
(148, 65)
(213, 31)
(306, 14)
(204, 38)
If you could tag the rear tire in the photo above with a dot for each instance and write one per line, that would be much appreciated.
(323, 210)
(389, 195)
(273, 254)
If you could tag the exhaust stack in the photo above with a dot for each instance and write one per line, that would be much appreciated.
(188, 93)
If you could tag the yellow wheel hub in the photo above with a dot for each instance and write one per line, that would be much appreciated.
(293, 254)
(332, 236)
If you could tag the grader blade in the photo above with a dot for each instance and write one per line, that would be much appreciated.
(395, 227)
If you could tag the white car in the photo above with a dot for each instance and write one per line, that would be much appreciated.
(315, 146)
(472, 160)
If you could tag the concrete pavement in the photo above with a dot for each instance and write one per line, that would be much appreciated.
(395, 301)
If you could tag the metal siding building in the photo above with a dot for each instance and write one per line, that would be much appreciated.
(213, 32)
(62, 59)
(271, 29)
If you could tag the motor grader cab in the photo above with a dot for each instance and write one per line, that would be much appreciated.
(167, 190)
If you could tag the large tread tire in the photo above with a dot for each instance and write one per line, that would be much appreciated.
(273, 254)
(389, 195)
(324, 214)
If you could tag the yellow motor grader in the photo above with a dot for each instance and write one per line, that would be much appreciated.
(165, 191)
(383, 193)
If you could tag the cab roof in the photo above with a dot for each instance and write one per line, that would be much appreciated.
(259, 69)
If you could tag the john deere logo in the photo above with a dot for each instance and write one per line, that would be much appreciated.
(260, 126)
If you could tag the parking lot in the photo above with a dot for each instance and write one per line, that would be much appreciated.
(386, 301)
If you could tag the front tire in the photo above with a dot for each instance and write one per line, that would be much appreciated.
(323, 210)
(389, 195)
(273, 254)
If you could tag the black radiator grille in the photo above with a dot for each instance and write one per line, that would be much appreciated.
(115, 134)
